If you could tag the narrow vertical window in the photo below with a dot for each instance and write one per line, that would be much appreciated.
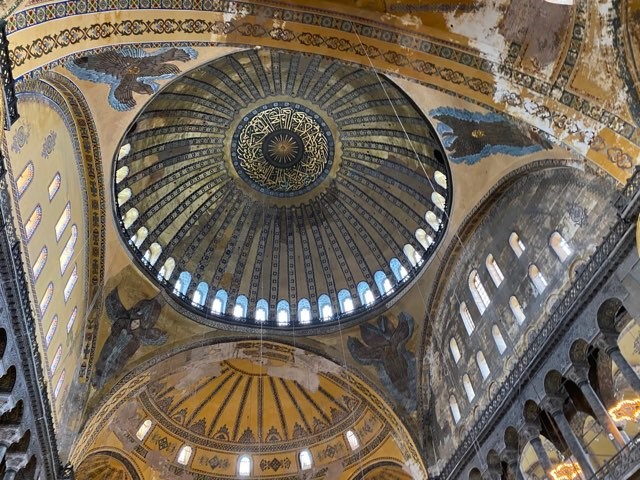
(152, 254)
(494, 270)
(124, 151)
(516, 309)
(304, 311)
(345, 301)
(67, 252)
(516, 244)
(33, 222)
(123, 196)
(244, 466)
(56, 392)
(184, 455)
(46, 298)
(144, 429)
(412, 255)
(241, 307)
(423, 239)
(468, 388)
(537, 278)
(469, 326)
(324, 306)
(63, 221)
(365, 294)
(560, 246)
(352, 439)
(56, 359)
(482, 364)
(54, 186)
(398, 270)
(200, 295)
(40, 263)
(71, 283)
(219, 304)
(478, 292)
(438, 200)
(24, 179)
(122, 173)
(51, 331)
(72, 319)
(130, 217)
(140, 236)
(167, 269)
(440, 178)
(282, 313)
(455, 351)
(306, 461)
(455, 410)
(262, 310)
(382, 282)
(182, 283)
(433, 220)
(497, 337)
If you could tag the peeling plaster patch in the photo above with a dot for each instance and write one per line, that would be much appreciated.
(414, 469)
(481, 27)
(194, 375)
(406, 20)
(308, 380)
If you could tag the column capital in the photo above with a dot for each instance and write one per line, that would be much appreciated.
(530, 431)
(579, 373)
(607, 341)
(554, 403)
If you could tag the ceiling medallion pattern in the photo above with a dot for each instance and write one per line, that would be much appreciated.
(282, 149)
(278, 190)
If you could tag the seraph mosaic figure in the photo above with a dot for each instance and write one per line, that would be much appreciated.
(129, 330)
(130, 70)
(384, 346)
(472, 136)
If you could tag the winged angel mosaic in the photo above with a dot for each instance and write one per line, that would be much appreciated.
(130, 70)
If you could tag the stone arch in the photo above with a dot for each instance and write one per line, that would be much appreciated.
(609, 312)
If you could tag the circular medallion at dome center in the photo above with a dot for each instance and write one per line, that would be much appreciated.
(282, 149)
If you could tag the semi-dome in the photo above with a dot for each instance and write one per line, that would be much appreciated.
(280, 189)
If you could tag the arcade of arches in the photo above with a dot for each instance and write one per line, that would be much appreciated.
(366, 239)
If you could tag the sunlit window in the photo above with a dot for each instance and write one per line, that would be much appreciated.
(560, 246)
(122, 173)
(497, 337)
(262, 310)
(345, 301)
(482, 364)
(182, 283)
(468, 388)
(200, 294)
(144, 429)
(423, 239)
(516, 244)
(433, 220)
(54, 186)
(24, 179)
(282, 313)
(123, 196)
(382, 282)
(167, 269)
(46, 298)
(438, 200)
(440, 178)
(494, 270)
(51, 331)
(412, 255)
(304, 311)
(140, 236)
(40, 263)
(352, 439)
(306, 461)
(365, 294)
(33, 222)
(478, 292)
(241, 307)
(537, 278)
(398, 270)
(469, 326)
(56, 392)
(244, 466)
(71, 283)
(219, 304)
(72, 319)
(455, 410)
(130, 217)
(56, 359)
(124, 151)
(455, 351)
(516, 309)
(63, 221)
(67, 252)
(324, 305)
(184, 455)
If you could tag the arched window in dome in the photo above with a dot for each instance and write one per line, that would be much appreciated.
(262, 310)
(469, 326)
(184, 455)
(482, 365)
(497, 337)
(51, 331)
(455, 351)
(412, 255)
(365, 294)
(54, 186)
(244, 466)
(345, 301)
(304, 311)
(200, 294)
(241, 307)
(560, 246)
(122, 173)
(352, 440)
(130, 217)
(478, 292)
(140, 236)
(182, 284)
(283, 314)
(440, 178)
(382, 282)
(46, 298)
(144, 428)
(24, 179)
(433, 220)
(124, 151)
(468, 388)
(455, 409)
(425, 240)
(152, 254)
(123, 196)
(219, 304)
(72, 319)
(71, 283)
(516, 244)
(40, 262)
(63, 221)
(33, 222)
(516, 309)
(494, 270)
(537, 278)
(324, 307)
(167, 269)
(438, 200)
(398, 269)
(67, 252)
(306, 462)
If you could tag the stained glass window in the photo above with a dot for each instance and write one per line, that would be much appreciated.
(33, 222)
(56, 360)
(51, 331)
(40, 262)
(72, 319)
(46, 298)
(59, 384)
(63, 221)
(67, 252)
(54, 186)
(24, 179)
(71, 283)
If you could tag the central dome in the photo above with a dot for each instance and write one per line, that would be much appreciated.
(282, 148)
(278, 190)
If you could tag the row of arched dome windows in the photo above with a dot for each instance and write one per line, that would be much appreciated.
(482, 300)
(244, 461)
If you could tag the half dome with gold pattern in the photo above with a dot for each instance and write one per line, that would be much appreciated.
(281, 190)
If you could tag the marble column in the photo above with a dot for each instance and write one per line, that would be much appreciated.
(513, 462)
(580, 376)
(553, 404)
(625, 368)
(531, 434)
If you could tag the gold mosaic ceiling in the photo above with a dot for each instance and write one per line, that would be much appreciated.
(280, 189)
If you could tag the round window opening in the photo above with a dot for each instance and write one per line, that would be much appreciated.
(270, 189)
